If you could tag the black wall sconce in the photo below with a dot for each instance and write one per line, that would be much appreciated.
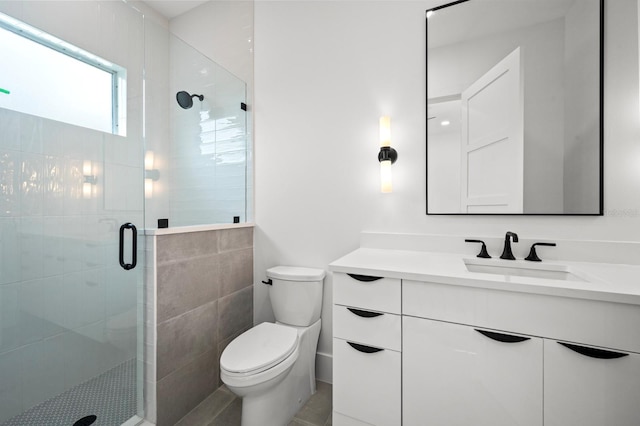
(387, 155)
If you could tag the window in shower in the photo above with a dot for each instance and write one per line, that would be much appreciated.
(44, 76)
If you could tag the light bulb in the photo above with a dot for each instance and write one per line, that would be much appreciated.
(385, 176)
(385, 131)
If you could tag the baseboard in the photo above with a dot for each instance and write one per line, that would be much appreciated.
(324, 367)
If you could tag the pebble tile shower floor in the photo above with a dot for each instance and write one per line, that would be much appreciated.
(110, 396)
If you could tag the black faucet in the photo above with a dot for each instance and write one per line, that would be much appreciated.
(533, 256)
(506, 253)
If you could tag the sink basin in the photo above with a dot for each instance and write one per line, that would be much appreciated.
(520, 269)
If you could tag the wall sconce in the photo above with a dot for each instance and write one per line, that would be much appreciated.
(150, 174)
(387, 155)
(90, 180)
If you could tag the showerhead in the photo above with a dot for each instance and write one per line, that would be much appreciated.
(185, 100)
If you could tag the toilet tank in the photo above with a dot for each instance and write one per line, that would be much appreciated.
(296, 294)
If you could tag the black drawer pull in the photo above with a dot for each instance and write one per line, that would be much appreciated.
(593, 352)
(364, 278)
(364, 314)
(365, 349)
(504, 338)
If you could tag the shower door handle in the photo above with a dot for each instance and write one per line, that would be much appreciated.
(134, 246)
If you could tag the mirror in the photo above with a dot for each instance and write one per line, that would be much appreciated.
(514, 107)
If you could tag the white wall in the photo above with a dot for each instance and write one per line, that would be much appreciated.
(223, 31)
(325, 72)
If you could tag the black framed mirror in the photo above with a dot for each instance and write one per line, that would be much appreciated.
(515, 107)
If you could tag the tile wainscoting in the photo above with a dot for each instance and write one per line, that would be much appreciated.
(199, 297)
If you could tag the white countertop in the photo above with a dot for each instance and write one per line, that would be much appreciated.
(606, 282)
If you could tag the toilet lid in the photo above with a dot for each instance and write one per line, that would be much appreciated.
(259, 348)
(295, 273)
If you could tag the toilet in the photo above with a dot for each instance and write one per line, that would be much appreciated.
(272, 365)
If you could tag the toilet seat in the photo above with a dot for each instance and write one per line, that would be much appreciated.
(259, 349)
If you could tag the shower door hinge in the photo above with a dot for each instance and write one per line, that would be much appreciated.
(243, 106)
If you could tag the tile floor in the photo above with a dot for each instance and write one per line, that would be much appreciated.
(110, 396)
(223, 408)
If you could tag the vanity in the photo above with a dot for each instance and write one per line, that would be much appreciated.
(429, 338)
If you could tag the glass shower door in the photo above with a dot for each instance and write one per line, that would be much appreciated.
(70, 314)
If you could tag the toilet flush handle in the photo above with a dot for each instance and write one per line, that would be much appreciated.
(268, 282)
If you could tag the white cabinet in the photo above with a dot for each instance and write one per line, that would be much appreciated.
(418, 353)
(589, 386)
(367, 330)
(463, 379)
(458, 375)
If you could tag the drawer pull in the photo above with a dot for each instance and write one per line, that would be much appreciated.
(593, 352)
(365, 349)
(364, 278)
(364, 314)
(504, 338)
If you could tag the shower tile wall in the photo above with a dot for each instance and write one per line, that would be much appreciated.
(208, 141)
(203, 299)
(201, 153)
(60, 283)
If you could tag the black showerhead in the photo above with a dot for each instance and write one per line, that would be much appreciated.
(185, 100)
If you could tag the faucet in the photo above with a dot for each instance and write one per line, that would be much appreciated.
(506, 253)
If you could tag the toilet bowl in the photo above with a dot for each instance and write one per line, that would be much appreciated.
(272, 365)
(259, 359)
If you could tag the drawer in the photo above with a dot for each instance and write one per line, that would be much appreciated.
(592, 322)
(367, 386)
(378, 294)
(368, 327)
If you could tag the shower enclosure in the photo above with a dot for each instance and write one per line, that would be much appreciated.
(75, 204)
(71, 198)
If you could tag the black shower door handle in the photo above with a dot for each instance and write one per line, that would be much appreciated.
(134, 246)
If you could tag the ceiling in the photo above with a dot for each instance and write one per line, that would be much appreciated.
(172, 8)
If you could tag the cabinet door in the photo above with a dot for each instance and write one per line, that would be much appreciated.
(366, 383)
(458, 375)
(589, 386)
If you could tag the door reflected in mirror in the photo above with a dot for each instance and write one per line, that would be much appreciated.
(514, 107)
